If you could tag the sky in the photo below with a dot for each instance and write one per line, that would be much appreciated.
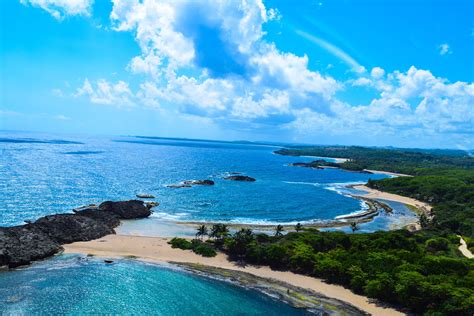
(378, 73)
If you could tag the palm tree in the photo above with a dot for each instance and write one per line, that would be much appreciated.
(224, 230)
(354, 226)
(201, 231)
(215, 230)
(279, 230)
(298, 227)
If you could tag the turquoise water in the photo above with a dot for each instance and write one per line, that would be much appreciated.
(46, 174)
(74, 285)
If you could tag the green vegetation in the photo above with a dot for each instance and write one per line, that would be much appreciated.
(419, 271)
(407, 161)
(196, 245)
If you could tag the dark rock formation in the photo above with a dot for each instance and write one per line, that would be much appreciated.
(22, 244)
(108, 218)
(68, 228)
(312, 165)
(240, 178)
(19, 245)
(199, 182)
(179, 186)
(126, 209)
(190, 183)
(151, 205)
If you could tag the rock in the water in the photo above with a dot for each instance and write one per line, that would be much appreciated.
(150, 205)
(198, 182)
(108, 261)
(240, 178)
(313, 165)
(145, 196)
(126, 209)
(19, 245)
(178, 186)
(190, 183)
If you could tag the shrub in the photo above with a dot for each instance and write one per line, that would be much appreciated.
(180, 243)
(205, 250)
(437, 244)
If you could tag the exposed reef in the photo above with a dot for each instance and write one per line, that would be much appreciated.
(20, 245)
(145, 196)
(190, 183)
(240, 178)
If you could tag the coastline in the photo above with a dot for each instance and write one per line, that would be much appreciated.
(157, 250)
(376, 194)
(374, 207)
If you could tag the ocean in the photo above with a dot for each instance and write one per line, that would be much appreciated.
(43, 174)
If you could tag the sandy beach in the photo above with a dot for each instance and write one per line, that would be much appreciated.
(376, 194)
(388, 173)
(156, 249)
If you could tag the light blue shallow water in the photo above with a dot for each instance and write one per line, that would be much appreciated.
(73, 285)
(46, 178)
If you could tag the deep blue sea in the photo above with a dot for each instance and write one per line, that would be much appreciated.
(45, 174)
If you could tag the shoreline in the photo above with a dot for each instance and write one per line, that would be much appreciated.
(376, 194)
(157, 250)
(344, 220)
(416, 206)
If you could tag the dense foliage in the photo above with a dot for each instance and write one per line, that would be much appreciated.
(394, 160)
(197, 246)
(420, 271)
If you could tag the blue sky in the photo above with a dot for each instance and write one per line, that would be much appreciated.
(327, 72)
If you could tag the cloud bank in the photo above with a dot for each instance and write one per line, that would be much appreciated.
(221, 67)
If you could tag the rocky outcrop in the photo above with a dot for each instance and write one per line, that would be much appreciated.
(20, 245)
(190, 183)
(199, 182)
(312, 165)
(240, 178)
(145, 196)
(126, 209)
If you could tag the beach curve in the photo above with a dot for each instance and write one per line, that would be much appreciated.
(157, 250)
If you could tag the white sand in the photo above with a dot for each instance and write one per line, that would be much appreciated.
(388, 173)
(376, 194)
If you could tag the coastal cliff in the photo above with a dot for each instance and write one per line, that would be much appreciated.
(20, 245)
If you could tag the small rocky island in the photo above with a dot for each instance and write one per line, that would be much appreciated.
(190, 183)
(20, 245)
(240, 178)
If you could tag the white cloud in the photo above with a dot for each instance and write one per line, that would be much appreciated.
(377, 73)
(239, 77)
(62, 8)
(107, 93)
(444, 49)
(261, 81)
(274, 14)
(410, 104)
